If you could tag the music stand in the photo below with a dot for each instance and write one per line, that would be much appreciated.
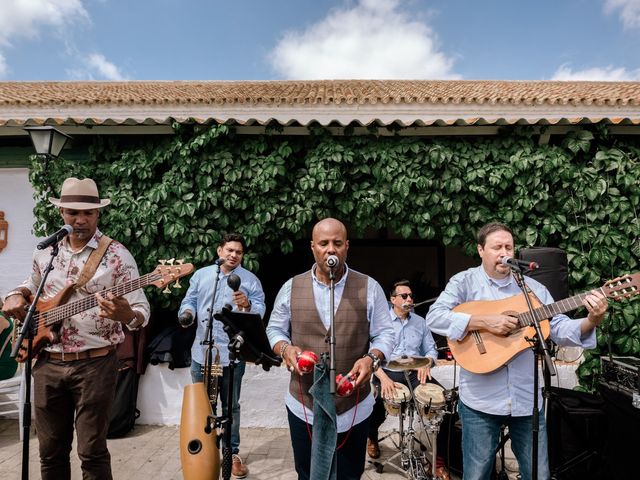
(247, 341)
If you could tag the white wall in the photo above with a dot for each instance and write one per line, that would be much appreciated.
(17, 203)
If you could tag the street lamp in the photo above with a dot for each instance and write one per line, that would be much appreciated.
(47, 141)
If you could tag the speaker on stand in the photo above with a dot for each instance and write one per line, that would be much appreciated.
(553, 272)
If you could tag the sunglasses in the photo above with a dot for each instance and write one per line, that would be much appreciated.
(404, 295)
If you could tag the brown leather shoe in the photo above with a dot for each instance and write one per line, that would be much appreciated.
(238, 469)
(373, 449)
(442, 473)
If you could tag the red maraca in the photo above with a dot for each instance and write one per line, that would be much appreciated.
(307, 361)
(344, 385)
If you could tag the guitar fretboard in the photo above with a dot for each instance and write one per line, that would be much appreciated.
(547, 311)
(58, 314)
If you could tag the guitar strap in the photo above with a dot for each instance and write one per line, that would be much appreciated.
(91, 265)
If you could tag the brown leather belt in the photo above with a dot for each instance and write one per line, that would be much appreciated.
(84, 355)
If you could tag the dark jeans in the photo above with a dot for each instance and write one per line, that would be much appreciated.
(223, 388)
(350, 461)
(379, 412)
(68, 392)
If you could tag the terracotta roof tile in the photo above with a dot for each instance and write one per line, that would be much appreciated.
(320, 92)
(421, 102)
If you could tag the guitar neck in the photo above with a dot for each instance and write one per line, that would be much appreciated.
(547, 311)
(58, 314)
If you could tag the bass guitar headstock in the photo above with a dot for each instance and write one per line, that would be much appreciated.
(167, 272)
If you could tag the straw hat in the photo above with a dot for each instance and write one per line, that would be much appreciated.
(79, 195)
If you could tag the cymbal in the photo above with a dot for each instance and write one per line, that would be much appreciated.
(407, 363)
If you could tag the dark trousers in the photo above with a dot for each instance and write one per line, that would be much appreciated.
(79, 392)
(350, 458)
(380, 414)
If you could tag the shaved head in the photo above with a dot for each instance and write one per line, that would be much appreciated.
(329, 237)
(329, 224)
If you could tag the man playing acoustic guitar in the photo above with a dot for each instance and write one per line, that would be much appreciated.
(75, 377)
(503, 395)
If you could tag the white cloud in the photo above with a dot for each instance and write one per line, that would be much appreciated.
(20, 19)
(25, 18)
(96, 67)
(3, 66)
(606, 74)
(629, 11)
(374, 39)
(106, 69)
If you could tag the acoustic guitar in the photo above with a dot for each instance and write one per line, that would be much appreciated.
(481, 351)
(50, 312)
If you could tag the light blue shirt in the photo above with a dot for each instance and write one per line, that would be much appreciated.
(509, 389)
(412, 337)
(380, 336)
(198, 300)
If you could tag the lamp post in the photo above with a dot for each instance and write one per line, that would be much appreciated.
(47, 141)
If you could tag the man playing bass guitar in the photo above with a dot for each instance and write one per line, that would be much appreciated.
(75, 376)
(504, 395)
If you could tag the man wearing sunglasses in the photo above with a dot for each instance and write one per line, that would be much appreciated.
(412, 339)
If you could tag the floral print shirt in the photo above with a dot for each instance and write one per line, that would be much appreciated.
(87, 330)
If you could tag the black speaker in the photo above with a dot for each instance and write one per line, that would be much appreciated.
(577, 433)
(553, 271)
(623, 427)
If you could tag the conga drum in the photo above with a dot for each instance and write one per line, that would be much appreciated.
(199, 453)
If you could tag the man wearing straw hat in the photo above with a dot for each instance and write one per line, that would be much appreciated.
(75, 378)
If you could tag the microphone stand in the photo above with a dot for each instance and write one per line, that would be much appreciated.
(211, 421)
(332, 333)
(27, 332)
(235, 342)
(539, 347)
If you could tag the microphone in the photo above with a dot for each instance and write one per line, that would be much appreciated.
(233, 281)
(332, 261)
(515, 263)
(186, 319)
(56, 237)
(219, 262)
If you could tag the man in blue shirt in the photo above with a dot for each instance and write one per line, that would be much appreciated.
(364, 337)
(197, 302)
(504, 396)
(412, 339)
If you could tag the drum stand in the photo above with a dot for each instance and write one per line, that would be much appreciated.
(413, 460)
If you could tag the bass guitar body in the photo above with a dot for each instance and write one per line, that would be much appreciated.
(483, 352)
(45, 333)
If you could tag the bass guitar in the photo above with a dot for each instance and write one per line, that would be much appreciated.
(50, 312)
(481, 351)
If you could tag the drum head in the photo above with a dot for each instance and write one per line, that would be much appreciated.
(402, 393)
(430, 393)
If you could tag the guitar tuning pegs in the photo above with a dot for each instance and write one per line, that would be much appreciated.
(180, 261)
(177, 284)
(162, 262)
(167, 289)
(170, 261)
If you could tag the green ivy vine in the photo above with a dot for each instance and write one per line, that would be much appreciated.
(173, 196)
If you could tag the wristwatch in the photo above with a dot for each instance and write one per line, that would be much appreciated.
(133, 322)
(376, 360)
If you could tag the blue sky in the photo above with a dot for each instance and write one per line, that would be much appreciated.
(319, 39)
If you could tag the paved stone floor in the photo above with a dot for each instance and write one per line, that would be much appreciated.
(153, 452)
